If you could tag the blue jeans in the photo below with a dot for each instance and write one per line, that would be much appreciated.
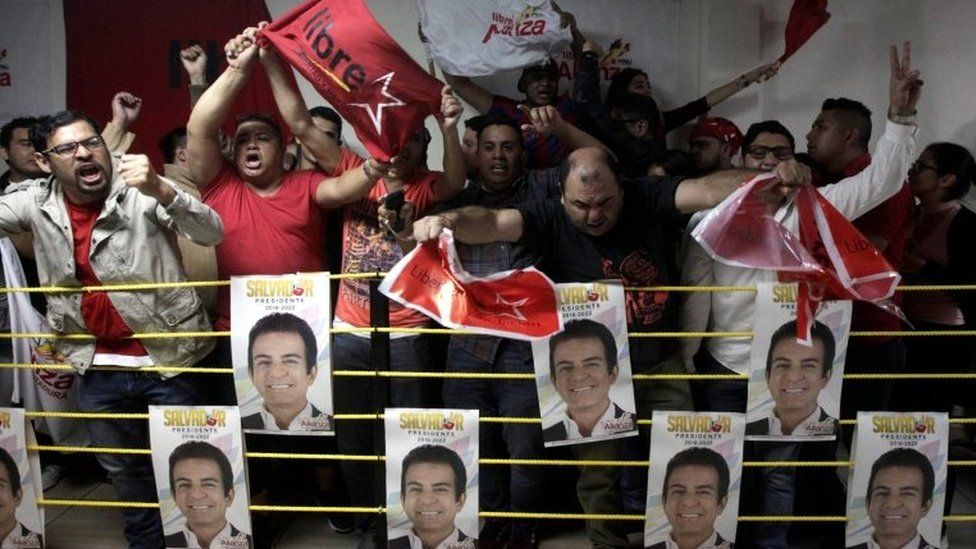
(779, 492)
(353, 395)
(505, 398)
(131, 475)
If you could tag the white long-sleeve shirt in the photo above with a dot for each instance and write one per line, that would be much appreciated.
(734, 311)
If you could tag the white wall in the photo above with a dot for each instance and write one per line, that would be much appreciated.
(849, 57)
(719, 39)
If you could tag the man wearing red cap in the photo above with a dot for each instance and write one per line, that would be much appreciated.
(713, 142)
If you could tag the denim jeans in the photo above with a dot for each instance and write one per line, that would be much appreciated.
(869, 395)
(523, 491)
(353, 395)
(778, 493)
(131, 475)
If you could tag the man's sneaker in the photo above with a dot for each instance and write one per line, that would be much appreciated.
(51, 475)
(523, 536)
(342, 523)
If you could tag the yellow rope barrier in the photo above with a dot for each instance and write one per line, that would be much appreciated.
(377, 275)
(483, 514)
(116, 415)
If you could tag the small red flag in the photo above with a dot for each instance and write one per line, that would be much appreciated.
(520, 304)
(806, 18)
(359, 69)
(830, 260)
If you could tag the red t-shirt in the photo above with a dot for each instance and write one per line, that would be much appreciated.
(889, 221)
(367, 247)
(282, 233)
(100, 316)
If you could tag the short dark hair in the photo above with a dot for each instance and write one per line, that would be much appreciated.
(819, 330)
(567, 164)
(41, 131)
(705, 457)
(13, 473)
(489, 120)
(199, 449)
(329, 114)
(618, 85)
(436, 454)
(169, 142)
(260, 117)
(284, 323)
(954, 159)
(584, 329)
(853, 115)
(905, 457)
(7, 131)
(635, 106)
(766, 126)
(476, 123)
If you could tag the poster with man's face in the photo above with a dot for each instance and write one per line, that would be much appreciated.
(896, 490)
(694, 480)
(21, 520)
(281, 353)
(794, 385)
(198, 463)
(431, 478)
(583, 375)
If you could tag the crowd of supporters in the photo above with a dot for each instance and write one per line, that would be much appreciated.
(583, 186)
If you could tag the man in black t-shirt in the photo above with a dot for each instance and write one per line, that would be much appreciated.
(604, 227)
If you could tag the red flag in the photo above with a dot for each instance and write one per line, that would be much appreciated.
(806, 18)
(151, 34)
(359, 69)
(521, 304)
(830, 260)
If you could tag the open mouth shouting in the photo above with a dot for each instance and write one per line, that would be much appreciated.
(90, 174)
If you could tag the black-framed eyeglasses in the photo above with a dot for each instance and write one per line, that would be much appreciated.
(759, 152)
(67, 149)
(918, 167)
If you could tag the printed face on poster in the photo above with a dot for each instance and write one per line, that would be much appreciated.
(198, 462)
(281, 353)
(431, 477)
(896, 491)
(795, 387)
(583, 374)
(20, 483)
(694, 480)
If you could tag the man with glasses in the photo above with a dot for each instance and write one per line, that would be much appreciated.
(98, 219)
(853, 196)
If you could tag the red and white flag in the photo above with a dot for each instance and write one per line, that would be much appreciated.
(359, 69)
(483, 38)
(520, 304)
(830, 259)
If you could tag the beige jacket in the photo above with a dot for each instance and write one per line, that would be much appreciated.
(133, 241)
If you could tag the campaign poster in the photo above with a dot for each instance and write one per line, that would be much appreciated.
(795, 386)
(21, 483)
(694, 480)
(198, 462)
(281, 353)
(896, 491)
(583, 375)
(431, 478)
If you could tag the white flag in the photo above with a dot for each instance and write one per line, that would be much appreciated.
(478, 38)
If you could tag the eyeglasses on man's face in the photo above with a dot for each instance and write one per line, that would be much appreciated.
(92, 143)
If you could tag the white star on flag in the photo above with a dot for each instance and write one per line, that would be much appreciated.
(377, 115)
(516, 313)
